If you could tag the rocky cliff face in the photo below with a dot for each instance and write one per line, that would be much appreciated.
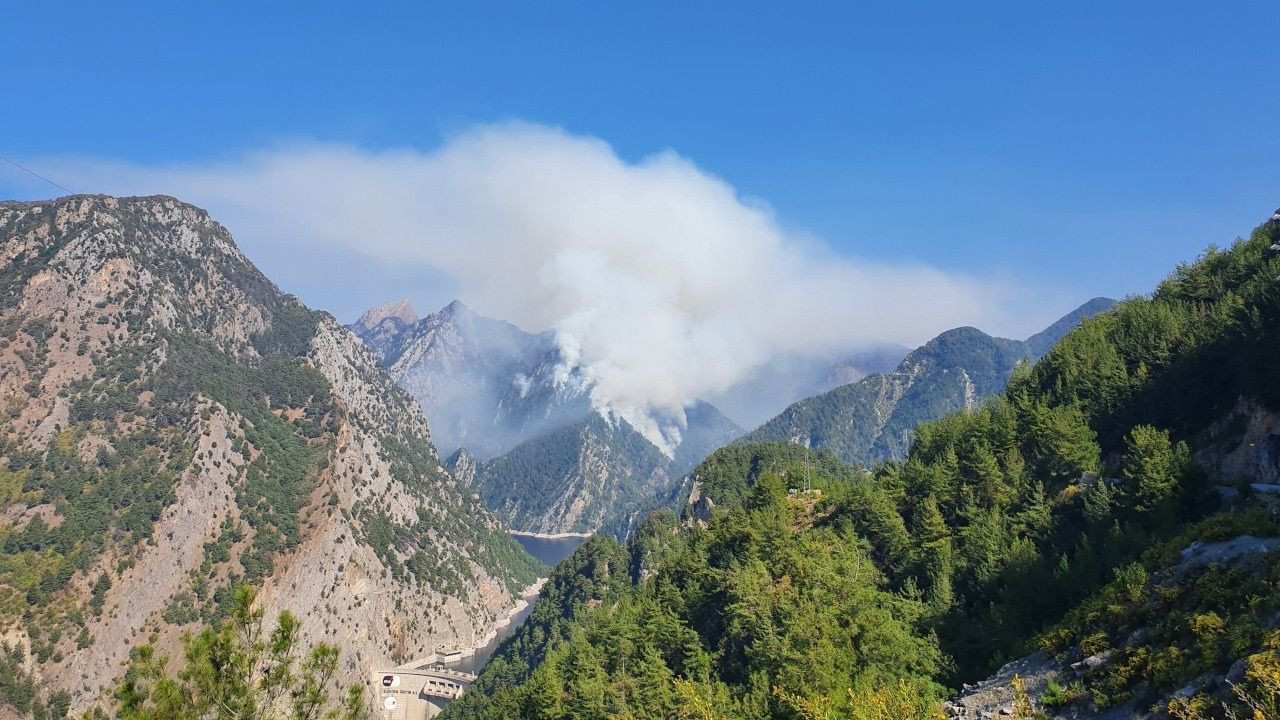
(485, 385)
(594, 475)
(1244, 447)
(536, 450)
(172, 424)
(874, 418)
(381, 328)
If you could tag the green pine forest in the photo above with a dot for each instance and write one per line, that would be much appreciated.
(1035, 523)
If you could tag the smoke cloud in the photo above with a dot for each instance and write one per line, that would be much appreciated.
(666, 282)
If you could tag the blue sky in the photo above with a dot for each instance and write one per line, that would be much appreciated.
(1079, 147)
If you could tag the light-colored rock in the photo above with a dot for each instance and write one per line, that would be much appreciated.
(94, 280)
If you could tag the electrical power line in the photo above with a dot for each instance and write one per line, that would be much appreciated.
(460, 380)
(35, 174)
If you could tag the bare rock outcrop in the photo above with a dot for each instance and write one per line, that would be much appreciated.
(176, 425)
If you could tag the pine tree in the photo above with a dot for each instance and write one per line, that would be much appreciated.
(768, 491)
(1064, 444)
(936, 552)
(1150, 467)
(1035, 519)
(1015, 469)
(240, 670)
(1098, 502)
(981, 466)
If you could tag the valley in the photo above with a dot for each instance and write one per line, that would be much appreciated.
(639, 361)
(1061, 550)
(203, 449)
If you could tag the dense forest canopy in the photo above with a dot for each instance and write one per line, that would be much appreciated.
(872, 597)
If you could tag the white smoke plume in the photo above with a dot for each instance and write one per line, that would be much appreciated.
(666, 282)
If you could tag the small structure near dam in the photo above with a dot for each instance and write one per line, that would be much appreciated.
(417, 691)
(421, 688)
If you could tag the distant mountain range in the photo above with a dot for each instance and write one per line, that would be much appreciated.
(484, 384)
(519, 422)
(787, 379)
(874, 418)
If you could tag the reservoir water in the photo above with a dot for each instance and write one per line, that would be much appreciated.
(551, 551)
(474, 663)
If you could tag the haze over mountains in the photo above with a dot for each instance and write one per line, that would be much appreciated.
(788, 378)
(874, 418)
(668, 281)
(518, 412)
(513, 411)
(485, 385)
(1100, 541)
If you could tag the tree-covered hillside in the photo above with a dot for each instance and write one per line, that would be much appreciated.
(681, 618)
(596, 475)
(875, 418)
(1067, 496)
(575, 478)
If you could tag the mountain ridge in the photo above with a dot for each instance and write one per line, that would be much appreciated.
(1100, 522)
(595, 475)
(486, 384)
(171, 425)
(873, 418)
(538, 451)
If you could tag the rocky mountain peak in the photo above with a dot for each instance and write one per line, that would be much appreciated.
(179, 425)
(456, 309)
(874, 418)
(462, 466)
(484, 383)
(402, 311)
